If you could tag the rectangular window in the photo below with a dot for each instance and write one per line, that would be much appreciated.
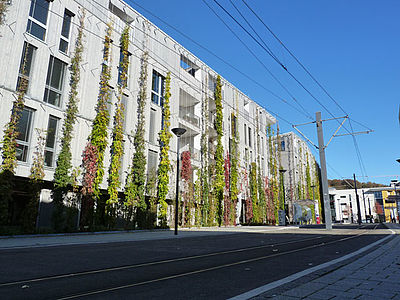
(245, 134)
(152, 134)
(54, 81)
(233, 124)
(28, 55)
(120, 67)
(157, 88)
(66, 28)
(50, 141)
(37, 20)
(152, 161)
(282, 145)
(250, 137)
(24, 128)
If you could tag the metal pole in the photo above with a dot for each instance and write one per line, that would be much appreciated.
(324, 176)
(365, 207)
(369, 209)
(177, 187)
(357, 200)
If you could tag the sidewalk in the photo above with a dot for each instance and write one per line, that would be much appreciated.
(51, 240)
(375, 275)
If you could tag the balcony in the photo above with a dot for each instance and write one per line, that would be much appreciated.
(189, 117)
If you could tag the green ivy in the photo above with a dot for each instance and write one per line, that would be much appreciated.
(219, 153)
(62, 178)
(30, 211)
(8, 149)
(134, 188)
(254, 193)
(234, 191)
(165, 164)
(117, 146)
(93, 157)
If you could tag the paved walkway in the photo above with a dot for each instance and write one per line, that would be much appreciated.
(375, 275)
(49, 240)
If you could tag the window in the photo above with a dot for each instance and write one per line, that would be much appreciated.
(66, 27)
(54, 81)
(120, 67)
(24, 132)
(212, 82)
(157, 88)
(28, 54)
(245, 134)
(50, 141)
(152, 135)
(188, 65)
(38, 18)
(152, 161)
(249, 137)
(282, 145)
(233, 124)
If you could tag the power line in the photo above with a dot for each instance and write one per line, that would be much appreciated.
(298, 82)
(358, 153)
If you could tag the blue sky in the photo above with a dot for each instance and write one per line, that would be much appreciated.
(351, 47)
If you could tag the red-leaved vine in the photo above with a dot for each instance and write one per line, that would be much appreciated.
(89, 163)
(227, 202)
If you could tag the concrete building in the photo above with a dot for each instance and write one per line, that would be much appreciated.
(300, 171)
(46, 31)
(345, 203)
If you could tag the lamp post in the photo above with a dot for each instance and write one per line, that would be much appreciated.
(178, 132)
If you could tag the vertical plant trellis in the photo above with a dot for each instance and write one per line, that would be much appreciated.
(134, 188)
(117, 145)
(62, 177)
(165, 164)
(93, 156)
(219, 153)
(9, 146)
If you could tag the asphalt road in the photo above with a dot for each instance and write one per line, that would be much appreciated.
(205, 267)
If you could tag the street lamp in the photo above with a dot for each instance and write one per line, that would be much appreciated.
(178, 132)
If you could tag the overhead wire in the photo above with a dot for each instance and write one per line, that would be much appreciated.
(362, 167)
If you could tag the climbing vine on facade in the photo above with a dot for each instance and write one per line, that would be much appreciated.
(117, 145)
(134, 188)
(93, 156)
(165, 164)
(219, 153)
(3, 10)
(9, 146)
(62, 176)
(30, 212)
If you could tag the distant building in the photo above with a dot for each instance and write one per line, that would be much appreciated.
(300, 171)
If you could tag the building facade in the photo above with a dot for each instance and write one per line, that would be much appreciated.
(300, 172)
(41, 35)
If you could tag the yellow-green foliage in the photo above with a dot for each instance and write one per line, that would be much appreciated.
(117, 146)
(98, 136)
(165, 164)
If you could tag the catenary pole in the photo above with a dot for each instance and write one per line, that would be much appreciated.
(324, 176)
(357, 201)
